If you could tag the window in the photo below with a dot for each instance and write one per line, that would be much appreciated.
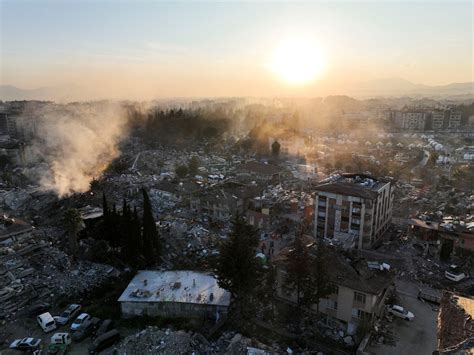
(357, 313)
(332, 304)
(359, 297)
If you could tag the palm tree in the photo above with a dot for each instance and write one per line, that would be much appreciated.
(72, 218)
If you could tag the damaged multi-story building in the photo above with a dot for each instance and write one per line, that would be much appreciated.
(353, 209)
(359, 291)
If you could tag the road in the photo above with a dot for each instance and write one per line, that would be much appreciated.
(412, 338)
(423, 161)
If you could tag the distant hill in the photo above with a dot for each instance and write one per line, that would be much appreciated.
(374, 88)
(63, 93)
(402, 87)
(8, 92)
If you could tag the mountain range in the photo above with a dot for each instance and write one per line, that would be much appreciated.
(402, 87)
(373, 88)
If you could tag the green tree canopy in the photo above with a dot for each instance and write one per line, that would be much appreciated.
(237, 268)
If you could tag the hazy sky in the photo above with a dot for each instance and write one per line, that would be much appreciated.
(150, 48)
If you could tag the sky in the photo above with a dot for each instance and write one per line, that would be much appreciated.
(146, 49)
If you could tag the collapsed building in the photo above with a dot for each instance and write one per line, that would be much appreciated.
(354, 210)
(457, 235)
(12, 229)
(455, 325)
(221, 202)
(259, 171)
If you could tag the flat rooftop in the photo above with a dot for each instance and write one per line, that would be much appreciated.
(360, 185)
(175, 286)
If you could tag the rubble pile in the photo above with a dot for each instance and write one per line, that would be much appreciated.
(188, 239)
(31, 268)
(154, 340)
(21, 200)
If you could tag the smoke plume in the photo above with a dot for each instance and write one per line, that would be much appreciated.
(75, 142)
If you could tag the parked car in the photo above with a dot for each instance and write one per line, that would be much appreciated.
(46, 322)
(88, 328)
(37, 309)
(429, 296)
(104, 341)
(26, 344)
(79, 320)
(454, 273)
(84, 331)
(401, 312)
(106, 326)
(60, 343)
(69, 314)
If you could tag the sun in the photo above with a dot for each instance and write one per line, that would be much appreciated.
(297, 62)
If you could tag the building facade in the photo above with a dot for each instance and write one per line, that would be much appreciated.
(359, 293)
(437, 120)
(412, 121)
(353, 209)
(454, 120)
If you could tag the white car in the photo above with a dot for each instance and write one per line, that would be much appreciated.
(401, 312)
(454, 273)
(79, 321)
(71, 311)
(46, 322)
(26, 344)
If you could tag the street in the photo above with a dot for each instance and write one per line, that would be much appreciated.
(417, 337)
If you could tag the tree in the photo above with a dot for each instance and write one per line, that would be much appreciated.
(136, 236)
(73, 220)
(276, 149)
(181, 171)
(237, 267)
(307, 275)
(269, 288)
(298, 268)
(210, 132)
(151, 242)
(193, 165)
(320, 276)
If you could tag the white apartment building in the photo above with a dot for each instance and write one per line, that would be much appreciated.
(455, 120)
(413, 121)
(359, 293)
(353, 209)
(437, 121)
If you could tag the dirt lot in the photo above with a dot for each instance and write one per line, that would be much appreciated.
(417, 337)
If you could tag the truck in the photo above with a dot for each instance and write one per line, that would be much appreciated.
(429, 296)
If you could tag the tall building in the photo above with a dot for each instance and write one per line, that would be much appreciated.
(353, 209)
(437, 120)
(470, 121)
(8, 124)
(413, 121)
(455, 119)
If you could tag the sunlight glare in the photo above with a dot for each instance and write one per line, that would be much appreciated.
(297, 62)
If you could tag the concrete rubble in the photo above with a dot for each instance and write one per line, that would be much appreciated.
(153, 340)
(32, 269)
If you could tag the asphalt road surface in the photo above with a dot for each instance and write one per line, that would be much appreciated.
(412, 338)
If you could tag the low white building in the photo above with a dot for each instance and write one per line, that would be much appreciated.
(174, 294)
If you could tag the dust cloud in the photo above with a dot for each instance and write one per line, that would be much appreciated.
(75, 143)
